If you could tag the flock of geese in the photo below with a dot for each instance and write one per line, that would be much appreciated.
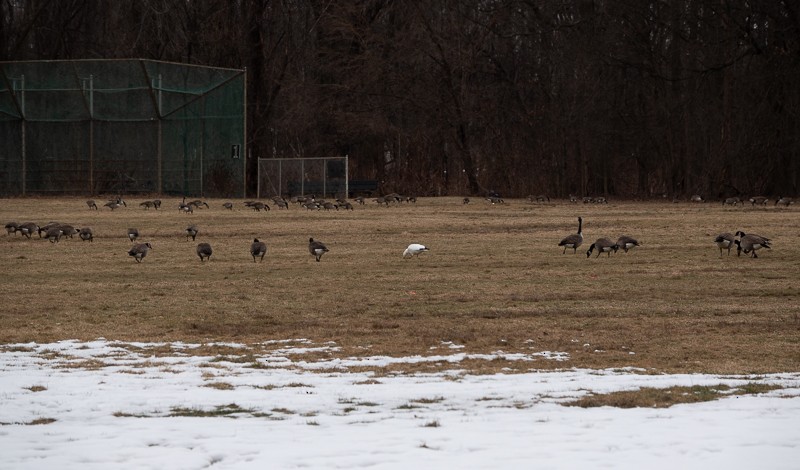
(54, 231)
(602, 245)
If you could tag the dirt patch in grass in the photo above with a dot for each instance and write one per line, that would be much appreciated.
(494, 280)
(666, 397)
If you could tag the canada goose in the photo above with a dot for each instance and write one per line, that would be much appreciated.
(258, 206)
(133, 234)
(281, 204)
(12, 227)
(600, 200)
(760, 200)
(186, 208)
(587, 199)
(741, 234)
(573, 198)
(112, 205)
(626, 243)
(347, 206)
(495, 200)
(44, 228)
(751, 243)
(191, 231)
(91, 204)
(725, 241)
(157, 203)
(312, 206)
(258, 248)
(465, 200)
(204, 251)
(696, 198)
(316, 248)
(414, 249)
(28, 228)
(146, 204)
(573, 241)
(67, 230)
(197, 203)
(603, 245)
(228, 205)
(53, 234)
(86, 234)
(731, 201)
(784, 201)
(542, 198)
(139, 251)
(329, 205)
(360, 200)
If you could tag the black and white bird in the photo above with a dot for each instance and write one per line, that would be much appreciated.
(414, 249)
(191, 231)
(139, 251)
(603, 245)
(725, 241)
(316, 248)
(258, 249)
(133, 234)
(626, 243)
(86, 234)
(750, 243)
(12, 227)
(573, 241)
(204, 251)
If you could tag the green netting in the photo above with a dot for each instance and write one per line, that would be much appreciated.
(121, 126)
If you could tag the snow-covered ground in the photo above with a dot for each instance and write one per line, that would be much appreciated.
(107, 405)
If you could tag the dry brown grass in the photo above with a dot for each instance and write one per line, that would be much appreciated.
(495, 279)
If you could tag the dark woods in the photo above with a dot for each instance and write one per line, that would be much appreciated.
(634, 98)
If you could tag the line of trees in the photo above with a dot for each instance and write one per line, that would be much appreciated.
(632, 98)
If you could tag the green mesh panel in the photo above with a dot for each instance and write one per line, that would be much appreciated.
(121, 126)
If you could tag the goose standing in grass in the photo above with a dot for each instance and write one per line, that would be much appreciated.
(750, 243)
(760, 200)
(91, 204)
(204, 251)
(28, 228)
(146, 204)
(86, 234)
(725, 241)
(228, 205)
(67, 230)
(139, 251)
(133, 234)
(12, 227)
(112, 205)
(191, 231)
(573, 241)
(414, 249)
(696, 198)
(53, 234)
(316, 248)
(626, 243)
(157, 203)
(258, 249)
(603, 245)
(783, 201)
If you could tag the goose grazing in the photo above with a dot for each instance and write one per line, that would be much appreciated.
(725, 241)
(258, 249)
(157, 203)
(414, 249)
(186, 208)
(204, 251)
(86, 234)
(626, 243)
(133, 234)
(360, 200)
(316, 248)
(191, 231)
(696, 198)
(465, 200)
(603, 245)
(573, 241)
(53, 234)
(12, 227)
(751, 243)
(67, 230)
(91, 204)
(783, 201)
(112, 205)
(28, 228)
(146, 204)
(197, 203)
(228, 205)
(139, 251)
(760, 200)
(731, 201)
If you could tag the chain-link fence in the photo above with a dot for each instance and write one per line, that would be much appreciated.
(322, 176)
(121, 126)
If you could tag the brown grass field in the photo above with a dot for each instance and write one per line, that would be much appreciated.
(494, 279)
